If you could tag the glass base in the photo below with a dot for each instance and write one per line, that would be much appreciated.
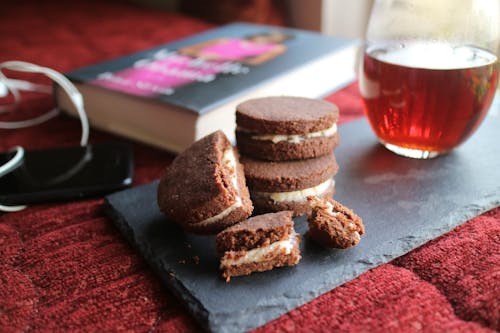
(413, 153)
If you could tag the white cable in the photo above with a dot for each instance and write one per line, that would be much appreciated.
(7, 86)
(24, 85)
(12, 164)
(13, 87)
(11, 209)
(73, 93)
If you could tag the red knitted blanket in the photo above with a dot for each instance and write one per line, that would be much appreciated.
(64, 267)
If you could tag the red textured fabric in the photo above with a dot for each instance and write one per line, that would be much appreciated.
(64, 267)
(464, 266)
(385, 299)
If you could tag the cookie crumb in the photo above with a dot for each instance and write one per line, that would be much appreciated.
(333, 225)
(196, 260)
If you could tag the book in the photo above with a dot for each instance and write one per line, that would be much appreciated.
(173, 94)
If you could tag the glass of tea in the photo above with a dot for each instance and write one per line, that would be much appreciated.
(429, 72)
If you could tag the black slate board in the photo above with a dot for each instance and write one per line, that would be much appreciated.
(403, 202)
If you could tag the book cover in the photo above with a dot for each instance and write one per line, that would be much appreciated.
(211, 70)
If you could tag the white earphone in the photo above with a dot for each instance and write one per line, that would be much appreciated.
(14, 87)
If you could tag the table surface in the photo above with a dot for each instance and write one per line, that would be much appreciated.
(65, 267)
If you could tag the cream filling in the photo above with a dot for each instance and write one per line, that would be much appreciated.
(262, 253)
(229, 160)
(329, 209)
(296, 138)
(300, 195)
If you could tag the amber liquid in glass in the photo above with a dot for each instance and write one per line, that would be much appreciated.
(426, 96)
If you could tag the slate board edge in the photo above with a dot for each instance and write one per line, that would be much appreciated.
(175, 286)
(267, 314)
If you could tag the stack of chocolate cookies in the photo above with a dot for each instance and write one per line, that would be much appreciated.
(286, 145)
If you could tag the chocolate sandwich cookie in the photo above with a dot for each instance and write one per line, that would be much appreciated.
(332, 224)
(286, 128)
(204, 189)
(276, 186)
(258, 244)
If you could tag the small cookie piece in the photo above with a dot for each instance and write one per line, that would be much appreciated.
(285, 128)
(332, 224)
(277, 186)
(258, 244)
(204, 189)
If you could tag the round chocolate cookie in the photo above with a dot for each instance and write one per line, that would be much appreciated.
(286, 128)
(276, 186)
(204, 189)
